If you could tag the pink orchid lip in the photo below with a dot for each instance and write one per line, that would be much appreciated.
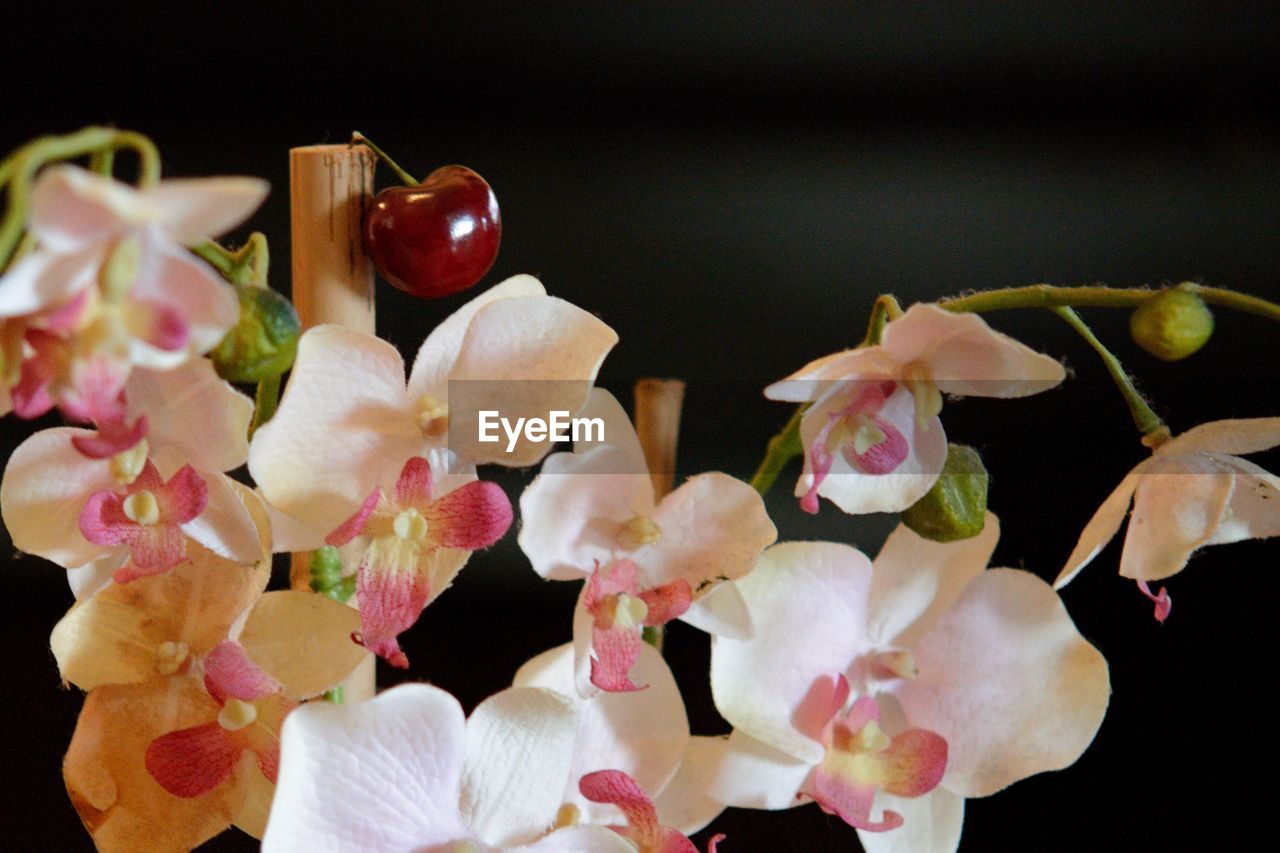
(1162, 600)
(615, 787)
(613, 598)
(884, 457)
(393, 582)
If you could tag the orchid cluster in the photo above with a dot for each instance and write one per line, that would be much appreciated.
(887, 689)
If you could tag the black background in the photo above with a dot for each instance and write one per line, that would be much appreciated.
(729, 186)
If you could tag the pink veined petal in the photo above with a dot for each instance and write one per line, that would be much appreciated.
(882, 458)
(269, 762)
(1162, 600)
(413, 488)
(183, 497)
(614, 651)
(351, 528)
(230, 672)
(32, 395)
(392, 589)
(191, 762)
(103, 522)
(666, 602)
(152, 551)
(850, 800)
(470, 517)
(619, 789)
(616, 577)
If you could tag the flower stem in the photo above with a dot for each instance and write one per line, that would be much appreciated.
(19, 171)
(404, 176)
(886, 308)
(1148, 422)
(782, 448)
(265, 402)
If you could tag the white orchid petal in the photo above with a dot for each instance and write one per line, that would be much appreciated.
(1177, 506)
(754, 775)
(931, 824)
(1101, 528)
(193, 210)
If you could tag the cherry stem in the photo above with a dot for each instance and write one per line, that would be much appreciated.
(409, 180)
(1148, 422)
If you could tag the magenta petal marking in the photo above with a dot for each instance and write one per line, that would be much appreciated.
(820, 460)
(471, 517)
(851, 802)
(194, 761)
(103, 522)
(97, 394)
(31, 395)
(1162, 600)
(822, 701)
(269, 762)
(230, 672)
(617, 788)
(414, 486)
(350, 529)
(882, 458)
(163, 327)
(111, 438)
(667, 602)
(184, 497)
(66, 317)
(392, 590)
(614, 652)
(155, 549)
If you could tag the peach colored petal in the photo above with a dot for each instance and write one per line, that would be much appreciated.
(302, 639)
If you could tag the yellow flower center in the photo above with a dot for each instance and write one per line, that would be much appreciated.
(141, 507)
(170, 656)
(567, 815)
(639, 530)
(410, 526)
(127, 464)
(236, 714)
(628, 611)
(432, 416)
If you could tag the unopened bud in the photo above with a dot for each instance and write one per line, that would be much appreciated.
(263, 342)
(956, 506)
(1171, 325)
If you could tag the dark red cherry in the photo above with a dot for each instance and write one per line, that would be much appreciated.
(436, 238)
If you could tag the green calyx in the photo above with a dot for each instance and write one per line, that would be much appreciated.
(1172, 325)
(955, 508)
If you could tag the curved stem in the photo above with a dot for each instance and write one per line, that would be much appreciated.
(886, 308)
(409, 180)
(19, 171)
(1147, 421)
(265, 402)
(783, 447)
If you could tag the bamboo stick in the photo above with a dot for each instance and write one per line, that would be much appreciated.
(657, 416)
(333, 281)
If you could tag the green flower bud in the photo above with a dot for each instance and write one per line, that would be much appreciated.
(955, 508)
(326, 569)
(262, 344)
(1171, 325)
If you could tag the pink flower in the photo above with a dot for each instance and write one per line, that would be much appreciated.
(111, 284)
(872, 438)
(962, 682)
(1193, 491)
(642, 827)
(418, 538)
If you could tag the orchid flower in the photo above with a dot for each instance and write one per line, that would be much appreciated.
(592, 514)
(348, 420)
(643, 735)
(111, 284)
(890, 693)
(134, 513)
(168, 763)
(1193, 491)
(872, 438)
(642, 827)
(406, 772)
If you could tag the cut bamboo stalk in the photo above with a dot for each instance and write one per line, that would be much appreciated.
(657, 417)
(333, 281)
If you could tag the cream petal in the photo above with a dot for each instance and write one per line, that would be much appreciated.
(645, 734)
(1254, 511)
(226, 526)
(819, 378)
(752, 774)
(519, 749)
(45, 486)
(44, 280)
(179, 281)
(713, 529)
(436, 356)
(684, 803)
(931, 824)
(720, 610)
(303, 640)
(916, 580)
(1102, 527)
(618, 432)
(194, 416)
(72, 207)
(808, 602)
(258, 793)
(1178, 504)
(1007, 680)
(193, 210)
(381, 775)
(572, 512)
(523, 357)
(1238, 437)
(92, 577)
(966, 357)
(343, 427)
